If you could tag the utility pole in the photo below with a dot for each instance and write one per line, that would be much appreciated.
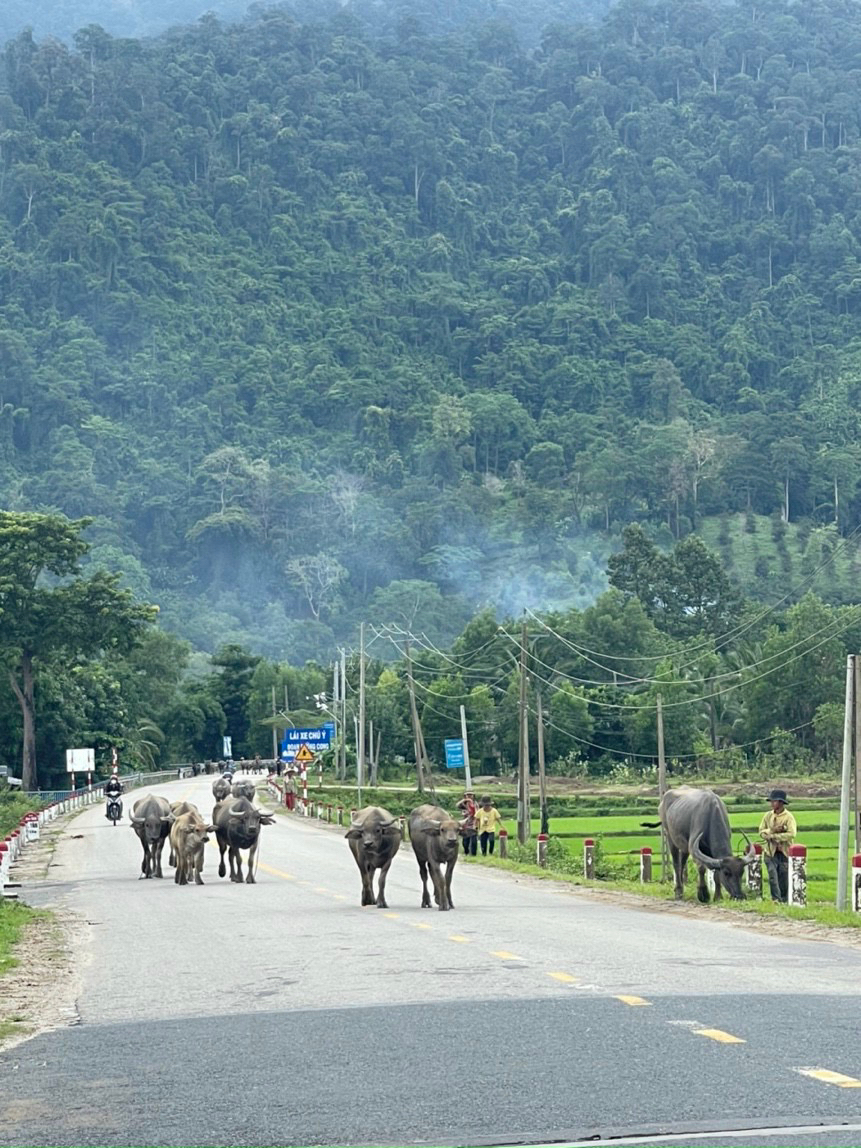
(465, 740)
(414, 714)
(851, 702)
(523, 756)
(662, 789)
(373, 763)
(857, 787)
(274, 729)
(343, 715)
(542, 777)
(360, 766)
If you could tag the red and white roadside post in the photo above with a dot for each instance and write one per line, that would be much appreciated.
(503, 843)
(645, 865)
(340, 812)
(754, 873)
(542, 850)
(305, 804)
(797, 876)
(855, 887)
(589, 859)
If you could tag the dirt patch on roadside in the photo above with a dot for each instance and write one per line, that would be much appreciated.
(40, 993)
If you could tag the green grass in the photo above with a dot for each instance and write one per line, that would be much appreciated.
(13, 918)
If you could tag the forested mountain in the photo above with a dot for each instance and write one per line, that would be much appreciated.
(323, 322)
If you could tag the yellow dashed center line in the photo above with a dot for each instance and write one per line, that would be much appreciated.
(420, 925)
(320, 889)
(392, 916)
(505, 956)
(339, 896)
(457, 937)
(829, 1077)
(278, 873)
(634, 1002)
(719, 1035)
(565, 978)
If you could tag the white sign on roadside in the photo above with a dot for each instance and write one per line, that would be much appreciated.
(80, 760)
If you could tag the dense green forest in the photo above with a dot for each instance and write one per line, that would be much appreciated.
(301, 315)
(325, 318)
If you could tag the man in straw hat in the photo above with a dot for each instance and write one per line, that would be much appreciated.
(778, 830)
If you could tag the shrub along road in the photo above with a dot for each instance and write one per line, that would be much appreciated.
(283, 1013)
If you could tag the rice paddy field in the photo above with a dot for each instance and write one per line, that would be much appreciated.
(621, 838)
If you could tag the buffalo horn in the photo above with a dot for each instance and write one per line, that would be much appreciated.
(700, 857)
(234, 812)
(137, 820)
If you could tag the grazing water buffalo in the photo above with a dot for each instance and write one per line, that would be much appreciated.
(237, 826)
(434, 836)
(151, 820)
(188, 836)
(697, 824)
(245, 788)
(220, 788)
(374, 837)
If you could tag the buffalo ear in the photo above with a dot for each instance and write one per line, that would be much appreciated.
(212, 829)
(353, 834)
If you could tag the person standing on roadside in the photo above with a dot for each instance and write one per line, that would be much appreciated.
(778, 829)
(488, 819)
(470, 830)
(290, 789)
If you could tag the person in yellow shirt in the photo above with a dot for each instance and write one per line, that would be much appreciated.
(778, 830)
(488, 819)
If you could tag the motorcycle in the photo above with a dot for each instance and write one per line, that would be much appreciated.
(114, 810)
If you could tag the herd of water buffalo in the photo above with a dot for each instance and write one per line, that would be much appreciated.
(374, 838)
(695, 822)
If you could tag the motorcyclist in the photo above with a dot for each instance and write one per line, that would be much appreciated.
(113, 791)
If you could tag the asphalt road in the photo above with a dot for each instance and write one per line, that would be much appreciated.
(284, 1013)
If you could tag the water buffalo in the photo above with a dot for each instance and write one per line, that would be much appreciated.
(188, 836)
(434, 836)
(177, 808)
(221, 788)
(245, 788)
(151, 820)
(697, 824)
(237, 826)
(374, 837)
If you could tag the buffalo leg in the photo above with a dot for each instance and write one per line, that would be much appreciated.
(198, 867)
(235, 858)
(381, 895)
(158, 849)
(222, 845)
(448, 873)
(423, 872)
(367, 883)
(144, 866)
(717, 896)
(438, 886)
(702, 887)
(250, 880)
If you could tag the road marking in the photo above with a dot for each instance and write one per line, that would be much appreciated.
(565, 978)
(634, 1002)
(320, 889)
(718, 1035)
(420, 925)
(457, 937)
(339, 896)
(829, 1077)
(278, 872)
(505, 956)
(392, 916)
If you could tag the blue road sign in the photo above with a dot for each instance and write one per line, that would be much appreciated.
(318, 738)
(454, 753)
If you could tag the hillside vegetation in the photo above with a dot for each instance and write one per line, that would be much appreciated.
(327, 321)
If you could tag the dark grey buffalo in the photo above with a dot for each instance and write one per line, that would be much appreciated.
(151, 820)
(221, 788)
(374, 837)
(435, 839)
(245, 788)
(237, 826)
(697, 824)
